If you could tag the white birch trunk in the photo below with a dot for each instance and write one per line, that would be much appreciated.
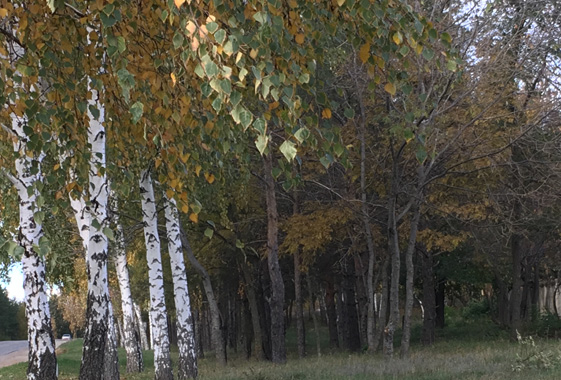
(129, 337)
(185, 328)
(99, 360)
(141, 325)
(158, 314)
(42, 358)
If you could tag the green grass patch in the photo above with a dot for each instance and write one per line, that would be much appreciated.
(469, 350)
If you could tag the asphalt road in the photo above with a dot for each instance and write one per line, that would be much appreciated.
(15, 351)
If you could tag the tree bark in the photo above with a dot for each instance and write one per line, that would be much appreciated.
(384, 305)
(158, 313)
(130, 338)
(254, 311)
(331, 313)
(185, 330)
(300, 333)
(216, 332)
(277, 286)
(99, 350)
(393, 243)
(352, 336)
(429, 299)
(141, 326)
(42, 362)
(314, 316)
(410, 272)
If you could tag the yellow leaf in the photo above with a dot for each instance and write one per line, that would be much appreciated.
(173, 79)
(397, 38)
(299, 38)
(340, 2)
(209, 178)
(194, 217)
(390, 87)
(364, 52)
(210, 18)
(253, 53)
(56, 167)
(191, 28)
(184, 157)
(179, 3)
(185, 209)
(198, 169)
(326, 113)
(3, 12)
(169, 193)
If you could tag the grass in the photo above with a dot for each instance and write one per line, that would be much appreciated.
(470, 350)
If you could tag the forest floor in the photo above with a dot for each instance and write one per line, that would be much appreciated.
(464, 350)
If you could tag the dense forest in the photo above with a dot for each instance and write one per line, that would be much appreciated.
(209, 174)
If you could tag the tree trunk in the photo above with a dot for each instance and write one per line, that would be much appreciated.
(516, 292)
(158, 312)
(429, 299)
(410, 272)
(141, 325)
(42, 364)
(352, 338)
(384, 305)
(185, 329)
(362, 299)
(440, 303)
(254, 311)
(216, 331)
(393, 243)
(130, 337)
(300, 333)
(331, 313)
(98, 350)
(314, 316)
(277, 286)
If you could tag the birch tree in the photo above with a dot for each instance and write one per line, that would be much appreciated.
(158, 313)
(185, 327)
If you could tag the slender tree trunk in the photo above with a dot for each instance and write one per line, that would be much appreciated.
(393, 242)
(429, 299)
(216, 332)
(410, 272)
(331, 313)
(277, 286)
(185, 329)
(300, 333)
(384, 305)
(254, 311)
(130, 337)
(314, 316)
(141, 325)
(42, 358)
(352, 336)
(440, 303)
(98, 349)
(158, 313)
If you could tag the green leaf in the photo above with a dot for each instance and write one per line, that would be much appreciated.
(136, 110)
(428, 54)
(260, 17)
(261, 143)
(451, 65)
(126, 81)
(239, 244)
(217, 104)
(95, 224)
(245, 118)
(421, 154)
(302, 134)
(109, 233)
(326, 160)
(211, 69)
(178, 40)
(339, 149)
(235, 98)
(288, 149)
(349, 113)
(212, 27)
(304, 78)
(260, 125)
(199, 71)
(220, 36)
(39, 217)
(209, 232)
(121, 44)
